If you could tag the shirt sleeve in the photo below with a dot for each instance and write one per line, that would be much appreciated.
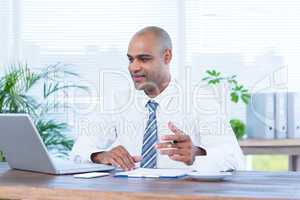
(222, 152)
(99, 136)
(219, 159)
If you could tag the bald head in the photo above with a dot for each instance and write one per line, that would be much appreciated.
(149, 54)
(162, 37)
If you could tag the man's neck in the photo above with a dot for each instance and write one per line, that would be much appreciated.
(155, 91)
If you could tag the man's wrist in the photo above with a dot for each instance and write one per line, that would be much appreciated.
(95, 157)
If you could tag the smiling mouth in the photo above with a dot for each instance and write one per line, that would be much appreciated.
(138, 78)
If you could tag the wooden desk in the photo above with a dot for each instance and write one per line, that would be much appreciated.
(243, 185)
(290, 147)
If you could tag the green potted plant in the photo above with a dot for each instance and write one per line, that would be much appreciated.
(237, 93)
(16, 96)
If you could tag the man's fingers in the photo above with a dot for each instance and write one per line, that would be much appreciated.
(119, 162)
(114, 162)
(127, 157)
(127, 162)
(164, 145)
(169, 152)
(179, 145)
(174, 129)
(172, 137)
(173, 151)
(121, 157)
(137, 158)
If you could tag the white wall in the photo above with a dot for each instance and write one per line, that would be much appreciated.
(249, 38)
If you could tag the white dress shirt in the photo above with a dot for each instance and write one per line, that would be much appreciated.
(127, 123)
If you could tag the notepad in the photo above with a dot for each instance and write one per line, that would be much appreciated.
(154, 173)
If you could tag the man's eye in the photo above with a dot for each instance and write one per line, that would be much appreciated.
(145, 59)
(130, 60)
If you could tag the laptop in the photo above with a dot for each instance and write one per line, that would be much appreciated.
(25, 150)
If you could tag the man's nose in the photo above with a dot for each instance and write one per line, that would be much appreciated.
(135, 66)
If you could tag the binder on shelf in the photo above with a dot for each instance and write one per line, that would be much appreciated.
(281, 115)
(293, 114)
(261, 116)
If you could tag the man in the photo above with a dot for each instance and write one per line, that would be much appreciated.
(155, 141)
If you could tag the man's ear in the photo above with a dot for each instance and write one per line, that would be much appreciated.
(167, 56)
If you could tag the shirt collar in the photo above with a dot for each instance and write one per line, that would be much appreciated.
(165, 98)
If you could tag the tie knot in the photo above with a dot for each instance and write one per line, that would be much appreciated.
(152, 105)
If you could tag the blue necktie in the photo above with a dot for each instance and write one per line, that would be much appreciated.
(149, 157)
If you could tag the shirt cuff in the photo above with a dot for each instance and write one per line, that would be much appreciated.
(84, 156)
(215, 161)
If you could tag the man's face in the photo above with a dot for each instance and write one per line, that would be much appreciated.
(146, 62)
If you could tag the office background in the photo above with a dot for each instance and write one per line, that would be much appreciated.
(256, 40)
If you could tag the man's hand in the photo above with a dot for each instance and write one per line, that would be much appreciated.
(179, 146)
(118, 157)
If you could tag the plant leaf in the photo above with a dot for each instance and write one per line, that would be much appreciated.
(245, 98)
(234, 97)
(15, 98)
(210, 72)
(238, 127)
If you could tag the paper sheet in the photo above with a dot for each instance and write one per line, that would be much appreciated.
(154, 173)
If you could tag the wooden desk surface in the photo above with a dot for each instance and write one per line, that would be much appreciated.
(16, 184)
